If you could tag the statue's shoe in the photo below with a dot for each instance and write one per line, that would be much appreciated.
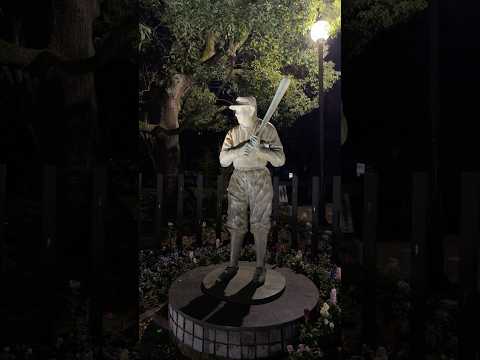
(228, 274)
(259, 276)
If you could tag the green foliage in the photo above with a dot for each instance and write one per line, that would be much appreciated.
(364, 19)
(232, 48)
(313, 332)
(319, 271)
(201, 111)
(145, 35)
(113, 14)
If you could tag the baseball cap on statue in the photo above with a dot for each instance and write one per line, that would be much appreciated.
(243, 102)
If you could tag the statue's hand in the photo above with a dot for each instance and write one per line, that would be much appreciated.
(252, 145)
(255, 140)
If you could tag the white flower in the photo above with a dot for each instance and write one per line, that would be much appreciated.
(170, 224)
(195, 261)
(74, 284)
(191, 255)
(324, 310)
(326, 322)
(204, 224)
(332, 325)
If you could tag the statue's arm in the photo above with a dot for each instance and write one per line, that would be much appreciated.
(229, 152)
(273, 151)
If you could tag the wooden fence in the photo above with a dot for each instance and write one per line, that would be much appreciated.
(199, 191)
(420, 259)
(49, 235)
(420, 212)
(469, 263)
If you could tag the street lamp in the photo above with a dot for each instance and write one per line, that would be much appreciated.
(319, 33)
(320, 30)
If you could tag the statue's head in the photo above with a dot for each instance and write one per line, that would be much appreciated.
(245, 111)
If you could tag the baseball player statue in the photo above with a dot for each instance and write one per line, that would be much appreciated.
(249, 146)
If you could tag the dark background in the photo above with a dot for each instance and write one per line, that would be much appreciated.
(35, 133)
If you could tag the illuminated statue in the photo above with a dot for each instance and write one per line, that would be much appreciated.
(250, 146)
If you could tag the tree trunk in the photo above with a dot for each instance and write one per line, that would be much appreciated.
(15, 55)
(164, 110)
(72, 37)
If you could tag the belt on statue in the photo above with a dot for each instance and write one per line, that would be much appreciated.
(251, 169)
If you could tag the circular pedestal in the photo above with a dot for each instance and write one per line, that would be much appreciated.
(205, 325)
(241, 289)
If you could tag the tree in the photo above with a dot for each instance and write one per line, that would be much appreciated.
(76, 44)
(365, 19)
(198, 55)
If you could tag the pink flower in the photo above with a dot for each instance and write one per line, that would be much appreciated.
(290, 348)
(338, 274)
(301, 348)
(333, 296)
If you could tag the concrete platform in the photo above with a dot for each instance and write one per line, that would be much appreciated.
(205, 326)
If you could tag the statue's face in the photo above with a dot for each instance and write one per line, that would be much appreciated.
(244, 115)
(245, 111)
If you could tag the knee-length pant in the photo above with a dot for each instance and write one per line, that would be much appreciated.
(250, 189)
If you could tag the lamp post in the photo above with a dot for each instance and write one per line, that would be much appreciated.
(319, 34)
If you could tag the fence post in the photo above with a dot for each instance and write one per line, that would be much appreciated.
(294, 215)
(159, 209)
(3, 206)
(469, 233)
(369, 258)
(199, 196)
(97, 249)
(337, 202)
(275, 209)
(180, 190)
(49, 200)
(218, 227)
(139, 209)
(337, 210)
(315, 214)
(419, 261)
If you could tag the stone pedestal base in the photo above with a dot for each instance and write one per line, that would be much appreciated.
(205, 325)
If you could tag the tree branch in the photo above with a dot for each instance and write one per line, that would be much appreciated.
(209, 50)
(14, 55)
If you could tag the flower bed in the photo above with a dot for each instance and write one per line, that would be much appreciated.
(319, 333)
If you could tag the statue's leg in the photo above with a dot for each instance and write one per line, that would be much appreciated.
(260, 199)
(236, 247)
(237, 222)
(261, 237)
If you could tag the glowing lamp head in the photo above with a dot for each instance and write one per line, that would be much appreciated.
(320, 30)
